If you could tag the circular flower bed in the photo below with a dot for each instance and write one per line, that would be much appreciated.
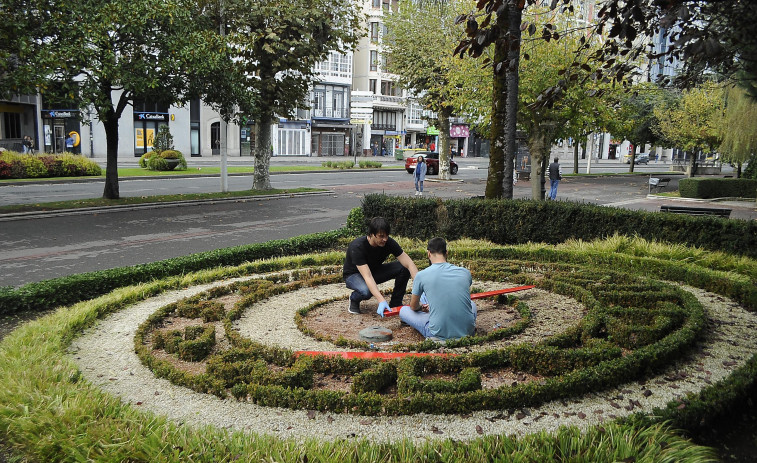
(596, 341)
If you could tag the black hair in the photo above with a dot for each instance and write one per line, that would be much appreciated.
(437, 246)
(556, 159)
(378, 224)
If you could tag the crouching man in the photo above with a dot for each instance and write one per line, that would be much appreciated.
(449, 312)
(364, 268)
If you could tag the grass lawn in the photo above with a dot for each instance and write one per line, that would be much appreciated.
(101, 202)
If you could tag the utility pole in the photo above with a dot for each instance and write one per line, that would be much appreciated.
(224, 135)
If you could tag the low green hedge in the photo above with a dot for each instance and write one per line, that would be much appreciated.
(523, 221)
(705, 188)
(17, 165)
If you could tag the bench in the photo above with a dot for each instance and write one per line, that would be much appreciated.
(725, 213)
(658, 183)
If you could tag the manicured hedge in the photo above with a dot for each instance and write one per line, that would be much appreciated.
(17, 165)
(705, 188)
(523, 221)
(68, 290)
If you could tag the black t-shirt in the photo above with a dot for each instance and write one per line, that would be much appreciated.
(360, 252)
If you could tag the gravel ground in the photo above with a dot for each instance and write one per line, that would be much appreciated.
(106, 357)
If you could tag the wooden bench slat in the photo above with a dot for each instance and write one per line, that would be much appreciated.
(696, 210)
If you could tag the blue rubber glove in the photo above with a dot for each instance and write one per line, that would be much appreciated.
(382, 307)
(424, 301)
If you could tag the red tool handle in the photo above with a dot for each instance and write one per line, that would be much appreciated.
(370, 354)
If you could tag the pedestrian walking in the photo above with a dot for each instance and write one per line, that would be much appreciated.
(555, 175)
(419, 175)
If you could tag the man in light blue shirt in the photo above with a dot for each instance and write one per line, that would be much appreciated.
(449, 312)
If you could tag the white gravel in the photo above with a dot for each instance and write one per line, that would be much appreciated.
(105, 355)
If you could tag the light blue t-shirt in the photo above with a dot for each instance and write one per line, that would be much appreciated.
(447, 289)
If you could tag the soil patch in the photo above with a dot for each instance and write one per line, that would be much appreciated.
(332, 320)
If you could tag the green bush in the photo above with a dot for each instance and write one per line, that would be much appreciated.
(523, 221)
(144, 158)
(369, 164)
(338, 165)
(158, 161)
(705, 188)
(33, 166)
(198, 342)
(750, 171)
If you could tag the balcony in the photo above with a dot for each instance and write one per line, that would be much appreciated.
(329, 113)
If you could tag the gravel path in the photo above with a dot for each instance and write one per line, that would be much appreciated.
(105, 355)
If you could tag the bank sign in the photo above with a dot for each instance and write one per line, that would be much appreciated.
(162, 117)
(60, 113)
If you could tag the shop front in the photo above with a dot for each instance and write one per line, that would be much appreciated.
(61, 130)
(330, 139)
(145, 128)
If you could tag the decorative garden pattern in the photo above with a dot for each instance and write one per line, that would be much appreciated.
(607, 341)
(623, 344)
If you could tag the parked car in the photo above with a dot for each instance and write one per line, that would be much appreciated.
(641, 158)
(432, 163)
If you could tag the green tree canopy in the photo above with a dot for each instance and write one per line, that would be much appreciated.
(738, 130)
(276, 45)
(102, 55)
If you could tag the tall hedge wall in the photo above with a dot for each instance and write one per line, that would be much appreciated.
(705, 188)
(521, 221)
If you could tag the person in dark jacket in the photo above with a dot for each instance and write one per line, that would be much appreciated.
(555, 175)
(364, 267)
(419, 175)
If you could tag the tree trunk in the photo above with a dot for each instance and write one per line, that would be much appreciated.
(633, 158)
(263, 152)
(575, 157)
(738, 169)
(110, 122)
(444, 115)
(515, 15)
(495, 178)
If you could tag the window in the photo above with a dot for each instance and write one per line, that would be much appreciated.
(372, 86)
(374, 32)
(384, 120)
(319, 102)
(12, 125)
(215, 138)
(376, 4)
(291, 141)
(374, 60)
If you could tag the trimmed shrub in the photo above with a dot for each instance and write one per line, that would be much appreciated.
(705, 188)
(158, 161)
(523, 221)
(5, 170)
(31, 166)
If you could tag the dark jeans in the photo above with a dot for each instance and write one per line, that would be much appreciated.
(393, 270)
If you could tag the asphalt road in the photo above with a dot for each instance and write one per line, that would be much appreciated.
(49, 246)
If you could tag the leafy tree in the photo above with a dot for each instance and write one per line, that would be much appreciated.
(276, 44)
(635, 120)
(105, 54)
(419, 37)
(693, 121)
(739, 128)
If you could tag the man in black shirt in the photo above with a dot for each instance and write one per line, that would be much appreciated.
(364, 267)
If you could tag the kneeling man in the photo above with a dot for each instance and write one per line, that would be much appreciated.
(364, 267)
(450, 313)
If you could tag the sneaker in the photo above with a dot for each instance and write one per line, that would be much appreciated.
(420, 193)
(354, 308)
(416, 192)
